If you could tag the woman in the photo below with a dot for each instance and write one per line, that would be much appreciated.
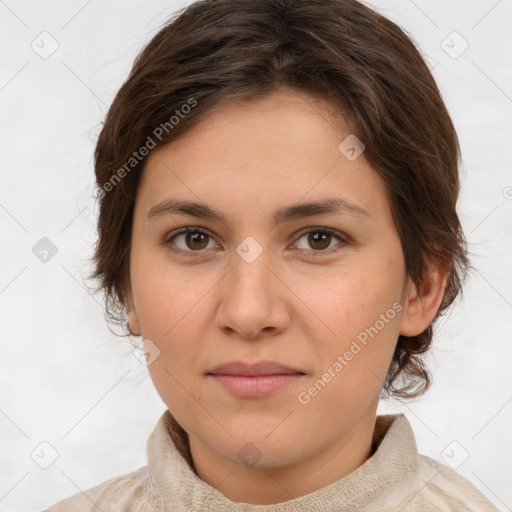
(278, 183)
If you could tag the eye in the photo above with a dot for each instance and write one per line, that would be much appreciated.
(193, 241)
(190, 240)
(320, 240)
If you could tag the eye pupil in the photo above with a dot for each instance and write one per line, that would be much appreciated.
(318, 237)
(195, 237)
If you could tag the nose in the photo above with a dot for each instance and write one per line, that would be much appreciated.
(253, 300)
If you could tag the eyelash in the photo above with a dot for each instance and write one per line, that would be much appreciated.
(314, 253)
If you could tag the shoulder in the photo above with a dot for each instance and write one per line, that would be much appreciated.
(441, 488)
(417, 483)
(120, 494)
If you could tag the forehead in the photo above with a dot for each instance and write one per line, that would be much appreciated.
(262, 153)
(279, 120)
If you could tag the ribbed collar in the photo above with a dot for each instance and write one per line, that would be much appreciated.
(170, 468)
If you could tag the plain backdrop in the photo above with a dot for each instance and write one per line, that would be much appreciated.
(73, 396)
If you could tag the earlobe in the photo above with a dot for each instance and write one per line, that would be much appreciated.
(133, 321)
(421, 304)
(133, 324)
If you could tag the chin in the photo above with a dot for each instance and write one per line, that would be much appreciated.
(256, 448)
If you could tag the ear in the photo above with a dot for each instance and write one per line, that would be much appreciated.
(421, 304)
(133, 321)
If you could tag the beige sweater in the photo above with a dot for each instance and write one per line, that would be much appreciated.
(394, 478)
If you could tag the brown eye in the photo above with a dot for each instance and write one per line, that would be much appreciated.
(196, 240)
(190, 240)
(320, 240)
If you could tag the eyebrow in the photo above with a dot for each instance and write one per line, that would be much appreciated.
(203, 211)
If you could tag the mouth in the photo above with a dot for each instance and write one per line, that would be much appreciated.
(254, 380)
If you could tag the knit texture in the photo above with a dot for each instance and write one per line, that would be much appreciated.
(394, 478)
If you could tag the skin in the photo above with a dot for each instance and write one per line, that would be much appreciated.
(294, 304)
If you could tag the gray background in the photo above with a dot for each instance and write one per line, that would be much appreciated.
(68, 381)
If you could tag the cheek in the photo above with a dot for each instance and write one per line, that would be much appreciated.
(171, 314)
(350, 302)
(363, 308)
(173, 309)
(167, 297)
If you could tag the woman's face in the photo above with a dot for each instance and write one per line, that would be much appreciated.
(320, 293)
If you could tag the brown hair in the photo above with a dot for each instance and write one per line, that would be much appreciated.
(218, 51)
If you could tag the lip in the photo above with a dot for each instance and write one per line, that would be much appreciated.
(254, 380)
(254, 369)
